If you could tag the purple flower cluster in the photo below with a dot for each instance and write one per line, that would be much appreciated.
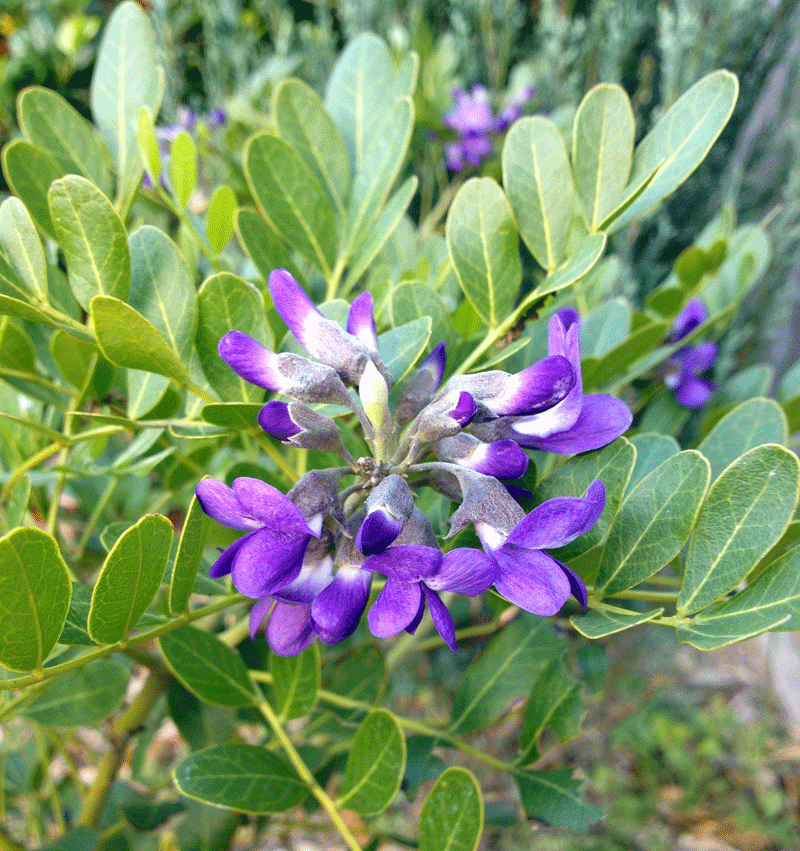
(308, 557)
(682, 372)
(475, 124)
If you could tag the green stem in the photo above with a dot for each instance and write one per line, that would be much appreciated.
(305, 774)
(124, 729)
(650, 596)
(120, 646)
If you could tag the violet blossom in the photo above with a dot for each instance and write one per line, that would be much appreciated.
(682, 372)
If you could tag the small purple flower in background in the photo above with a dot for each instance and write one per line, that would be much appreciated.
(474, 123)
(308, 558)
(682, 370)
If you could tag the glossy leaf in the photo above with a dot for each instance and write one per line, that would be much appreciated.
(503, 673)
(681, 139)
(482, 241)
(401, 347)
(771, 602)
(129, 579)
(208, 668)
(553, 797)
(605, 327)
(653, 522)
(126, 78)
(23, 251)
(129, 340)
(582, 261)
(379, 170)
(29, 172)
(291, 200)
(602, 150)
(295, 682)
(188, 557)
(538, 179)
(601, 622)
(245, 778)
(226, 302)
(555, 702)
(452, 815)
(93, 239)
(652, 450)
(34, 597)
(639, 344)
(745, 513)
(375, 765)
(612, 465)
(263, 245)
(219, 220)
(302, 121)
(52, 124)
(752, 423)
(83, 697)
(413, 299)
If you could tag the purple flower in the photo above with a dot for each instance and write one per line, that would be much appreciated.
(472, 114)
(576, 423)
(682, 370)
(416, 574)
(270, 555)
(297, 425)
(528, 577)
(503, 459)
(389, 505)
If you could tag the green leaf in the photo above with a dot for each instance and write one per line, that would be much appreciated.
(653, 522)
(83, 697)
(641, 343)
(503, 673)
(681, 139)
(93, 239)
(162, 290)
(129, 579)
(29, 172)
(148, 145)
(127, 339)
(237, 416)
(295, 682)
(240, 777)
(482, 240)
(752, 423)
(219, 221)
(126, 77)
(746, 511)
(413, 299)
(208, 668)
(554, 797)
(586, 255)
(612, 465)
(76, 628)
(602, 150)
(183, 167)
(225, 303)
(302, 121)
(74, 358)
(17, 501)
(380, 231)
(555, 701)
(601, 622)
(188, 557)
(452, 815)
(538, 179)
(263, 245)
(652, 450)
(360, 89)
(771, 602)
(34, 598)
(400, 348)
(52, 124)
(605, 327)
(375, 177)
(16, 349)
(23, 251)
(291, 200)
(375, 765)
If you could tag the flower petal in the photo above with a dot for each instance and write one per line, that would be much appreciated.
(295, 308)
(267, 562)
(531, 580)
(559, 520)
(258, 613)
(222, 566)
(537, 388)
(395, 607)
(442, 619)
(576, 585)
(220, 503)
(464, 570)
(275, 420)
(269, 506)
(289, 629)
(406, 562)
(338, 609)
(361, 321)
(693, 392)
(251, 360)
(691, 317)
(378, 531)
(602, 419)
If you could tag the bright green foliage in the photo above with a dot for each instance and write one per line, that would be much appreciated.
(452, 815)
(188, 556)
(295, 682)
(23, 251)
